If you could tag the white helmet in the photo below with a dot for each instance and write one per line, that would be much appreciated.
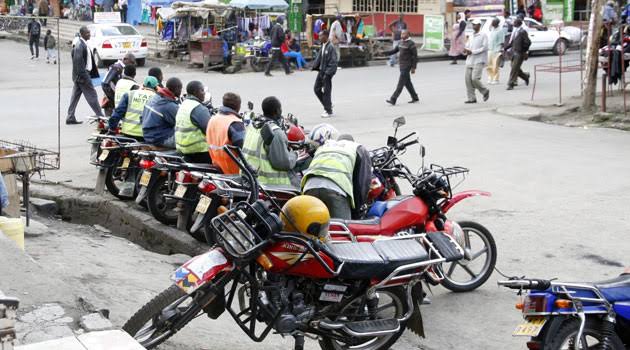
(322, 133)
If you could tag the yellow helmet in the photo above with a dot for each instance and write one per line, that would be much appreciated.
(307, 215)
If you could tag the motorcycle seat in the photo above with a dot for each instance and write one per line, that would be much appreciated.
(376, 259)
(201, 167)
(280, 188)
(616, 289)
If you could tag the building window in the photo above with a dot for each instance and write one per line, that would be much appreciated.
(389, 6)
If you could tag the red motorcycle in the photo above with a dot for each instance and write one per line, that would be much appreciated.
(344, 294)
(425, 211)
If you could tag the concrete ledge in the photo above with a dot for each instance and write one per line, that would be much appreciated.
(105, 340)
(84, 207)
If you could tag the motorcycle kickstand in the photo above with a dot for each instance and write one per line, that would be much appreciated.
(299, 342)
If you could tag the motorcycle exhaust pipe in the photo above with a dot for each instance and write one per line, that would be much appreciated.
(99, 188)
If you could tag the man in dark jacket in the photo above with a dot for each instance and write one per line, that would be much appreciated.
(408, 61)
(519, 45)
(277, 38)
(34, 33)
(326, 63)
(113, 75)
(158, 118)
(83, 70)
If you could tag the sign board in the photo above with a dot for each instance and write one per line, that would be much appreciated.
(107, 17)
(433, 33)
(569, 7)
(295, 16)
(429, 7)
(554, 11)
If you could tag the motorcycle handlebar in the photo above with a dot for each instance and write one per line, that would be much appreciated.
(532, 284)
(407, 144)
(406, 137)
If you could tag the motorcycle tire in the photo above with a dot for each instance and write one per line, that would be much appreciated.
(568, 330)
(110, 183)
(257, 64)
(159, 205)
(449, 283)
(330, 344)
(152, 310)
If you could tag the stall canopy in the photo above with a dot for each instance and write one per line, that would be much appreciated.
(269, 5)
(196, 9)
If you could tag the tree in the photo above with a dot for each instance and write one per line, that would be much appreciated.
(592, 47)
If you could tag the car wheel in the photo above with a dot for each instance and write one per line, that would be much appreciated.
(140, 62)
(561, 46)
(99, 61)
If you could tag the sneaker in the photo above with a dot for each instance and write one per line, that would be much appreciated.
(55, 62)
(471, 101)
(414, 100)
(268, 75)
(326, 115)
(33, 57)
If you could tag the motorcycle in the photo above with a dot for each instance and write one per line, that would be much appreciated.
(359, 295)
(561, 315)
(425, 211)
(259, 53)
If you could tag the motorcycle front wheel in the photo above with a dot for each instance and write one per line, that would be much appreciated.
(478, 263)
(392, 303)
(162, 317)
(564, 338)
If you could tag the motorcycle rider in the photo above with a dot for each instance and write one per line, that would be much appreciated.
(158, 118)
(125, 84)
(226, 128)
(157, 73)
(114, 74)
(129, 110)
(340, 173)
(266, 147)
(191, 123)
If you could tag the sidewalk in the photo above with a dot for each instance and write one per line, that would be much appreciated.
(105, 340)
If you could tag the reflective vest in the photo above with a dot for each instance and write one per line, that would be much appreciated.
(256, 155)
(217, 136)
(335, 161)
(131, 124)
(188, 138)
(123, 86)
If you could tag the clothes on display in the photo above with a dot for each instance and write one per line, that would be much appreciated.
(250, 27)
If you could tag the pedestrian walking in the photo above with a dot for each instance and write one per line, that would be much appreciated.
(34, 30)
(123, 10)
(396, 28)
(326, 63)
(336, 36)
(458, 38)
(518, 45)
(477, 55)
(83, 70)
(42, 6)
(277, 38)
(50, 44)
(408, 60)
(495, 49)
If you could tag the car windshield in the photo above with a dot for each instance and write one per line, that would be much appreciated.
(119, 30)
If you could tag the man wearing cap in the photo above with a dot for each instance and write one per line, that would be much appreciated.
(129, 110)
(477, 52)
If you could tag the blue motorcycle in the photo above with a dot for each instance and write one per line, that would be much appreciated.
(574, 316)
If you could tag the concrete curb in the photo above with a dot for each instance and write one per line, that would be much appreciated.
(83, 207)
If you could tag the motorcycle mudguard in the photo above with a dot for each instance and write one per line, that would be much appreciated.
(623, 309)
(201, 269)
(458, 197)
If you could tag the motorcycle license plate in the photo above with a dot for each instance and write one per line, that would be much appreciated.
(180, 191)
(146, 177)
(203, 205)
(125, 163)
(103, 155)
(530, 328)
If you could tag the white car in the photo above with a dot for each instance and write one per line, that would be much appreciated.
(112, 41)
(543, 38)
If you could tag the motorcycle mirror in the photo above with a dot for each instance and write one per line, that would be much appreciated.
(391, 141)
(398, 122)
(422, 151)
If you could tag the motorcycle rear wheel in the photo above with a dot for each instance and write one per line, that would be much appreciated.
(148, 325)
(564, 338)
(476, 279)
(257, 64)
(397, 298)
(115, 177)
(162, 208)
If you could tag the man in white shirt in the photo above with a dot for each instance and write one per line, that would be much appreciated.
(477, 52)
(336, 35)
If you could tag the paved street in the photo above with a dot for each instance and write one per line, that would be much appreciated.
(560, 195)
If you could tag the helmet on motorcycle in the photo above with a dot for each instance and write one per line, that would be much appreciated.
(307, 215)
(295, 134)
(323, 132)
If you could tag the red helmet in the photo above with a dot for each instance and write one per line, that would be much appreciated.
(295, 134)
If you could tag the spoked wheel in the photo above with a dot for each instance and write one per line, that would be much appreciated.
(162, 208)
(480, 257)
(591, 339)
(162, 317)
(392, 303)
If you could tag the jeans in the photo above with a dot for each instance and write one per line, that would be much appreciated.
(323, 90)
(33, 41)
(301, 62)
(83, 88)
(393, 59)
(473, 81)
(338, 205)
(123, 13)
(276, 55)
(404, 81)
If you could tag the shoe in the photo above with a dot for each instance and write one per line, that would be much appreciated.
(393, 103)
(73, 122)
(527, 80)
(486, 96)
(510, 87)
(33, 57)
(453, 62)
(289, 72)
(55, 62)
(326, 115)
(414, 100)
(268, 75)
(471, 101)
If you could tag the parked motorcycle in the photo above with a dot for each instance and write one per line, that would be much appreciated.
(561, 315)
(425, 211)
(346, 295)
(259, 54)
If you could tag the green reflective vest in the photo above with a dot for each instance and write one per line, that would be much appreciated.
(188, 138)
(335, 161)
(131, 124)
(123, 86)
(256, 155)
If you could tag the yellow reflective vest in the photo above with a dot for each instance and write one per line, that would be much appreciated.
(123, 86)
(188, 138)
(131, 123)
(256, 155)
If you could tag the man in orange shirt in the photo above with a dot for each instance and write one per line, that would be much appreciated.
(226, 128)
